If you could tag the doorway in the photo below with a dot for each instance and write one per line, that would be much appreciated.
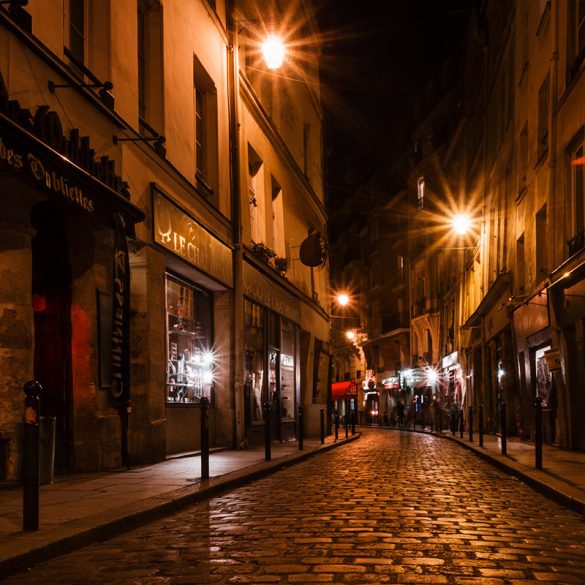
(51, 298)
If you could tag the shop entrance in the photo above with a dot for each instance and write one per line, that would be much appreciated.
(51, 297)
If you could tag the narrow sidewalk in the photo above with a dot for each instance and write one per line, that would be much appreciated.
(561, 478)
(80, 509)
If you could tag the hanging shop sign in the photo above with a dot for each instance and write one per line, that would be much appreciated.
(36, 147)
(450, 360)
(266, 292)
(391, 383)
(181, 234)
(120, 388)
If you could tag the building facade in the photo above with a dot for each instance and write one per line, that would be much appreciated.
(519, 139)
(134, 279)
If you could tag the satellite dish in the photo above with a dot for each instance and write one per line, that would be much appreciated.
(313, 250)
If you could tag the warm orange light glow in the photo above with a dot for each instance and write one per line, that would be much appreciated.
(350, 335)
(343, 299)
(461, 223)
(273, 50)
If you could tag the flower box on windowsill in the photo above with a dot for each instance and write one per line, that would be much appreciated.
(263, 252)
(281, 264)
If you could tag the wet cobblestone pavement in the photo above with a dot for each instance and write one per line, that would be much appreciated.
(392, 507)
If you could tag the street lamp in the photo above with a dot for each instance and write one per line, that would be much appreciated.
(342, 299)
(273, 50)
(461, 223)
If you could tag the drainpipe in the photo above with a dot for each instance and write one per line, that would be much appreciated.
(237, 344)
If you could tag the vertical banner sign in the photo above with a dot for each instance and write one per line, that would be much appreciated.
(121, 317)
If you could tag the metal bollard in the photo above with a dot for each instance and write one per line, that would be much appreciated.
(538, 433)
(204, 412)
(301, 428)
(480, 425)
(267, 437)
(322, 415)
(353, 422)
(336, 426)
(503, 428)
(30, 456)
(346, 424)
(461, 424)
(470, 419)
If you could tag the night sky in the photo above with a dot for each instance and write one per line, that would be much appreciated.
(376, 62)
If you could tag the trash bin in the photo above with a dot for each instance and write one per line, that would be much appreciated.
(47, 431)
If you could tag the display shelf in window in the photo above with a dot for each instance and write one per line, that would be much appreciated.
(190, 362)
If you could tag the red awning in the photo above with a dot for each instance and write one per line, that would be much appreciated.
(343, 389)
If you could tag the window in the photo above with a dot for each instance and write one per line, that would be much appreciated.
(543, 96)
(150, 78)
(288, 350)
(541, 244)
(254, 392)
(278, 236)
(190, 360)
(576, 159)
(270, 353)
(77, 29)
(520, 265)
(256, 196)
(421, 192)
(523, 157)
(400, 269)
(306, 148)
(87, 45)
(205, 97)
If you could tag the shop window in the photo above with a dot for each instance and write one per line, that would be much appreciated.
(254, 354)
(150, 78)
(205, 95)
(287, 369)
(190, 359)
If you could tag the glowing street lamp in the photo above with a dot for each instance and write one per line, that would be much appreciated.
(273, 51)
(461, 223)
(343, 299)
(350, 334)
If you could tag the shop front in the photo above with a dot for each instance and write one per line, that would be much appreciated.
(271, 349)
(533, 342)
(344, 396)
(65, 221)
(197, 283)
(566, 356)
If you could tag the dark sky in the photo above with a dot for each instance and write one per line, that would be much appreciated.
(376, 63)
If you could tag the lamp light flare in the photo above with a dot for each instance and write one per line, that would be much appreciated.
(461, 223)
(273, 51)
(350, 335)
(343, 299)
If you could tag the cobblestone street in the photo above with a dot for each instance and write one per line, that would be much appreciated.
(392, 507)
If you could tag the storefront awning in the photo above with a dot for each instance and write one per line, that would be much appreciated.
(344, 389)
